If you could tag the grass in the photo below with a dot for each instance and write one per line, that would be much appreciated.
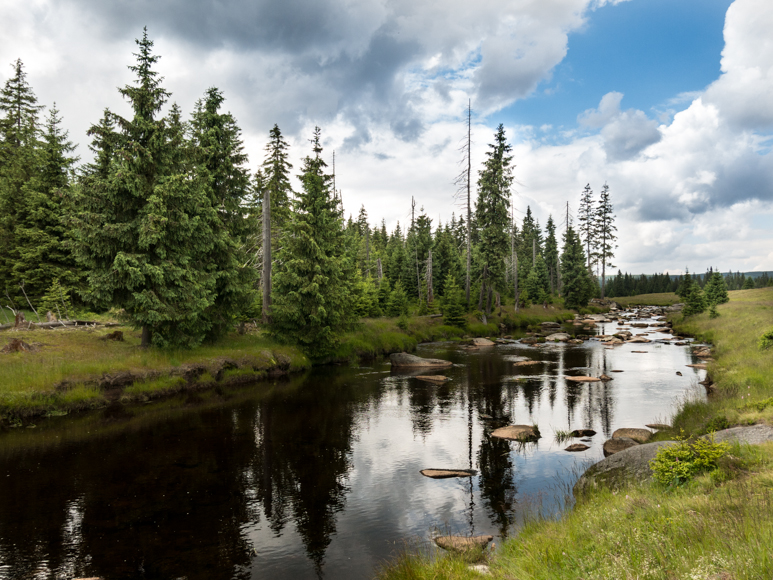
(66, 368)
(661, 299)
(719, 525)
(741, 372)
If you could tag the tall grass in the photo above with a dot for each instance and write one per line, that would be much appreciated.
(661, 299)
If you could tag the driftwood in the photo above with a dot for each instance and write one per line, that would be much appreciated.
(59, 324)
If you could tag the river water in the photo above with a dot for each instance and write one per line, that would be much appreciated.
(317, 476)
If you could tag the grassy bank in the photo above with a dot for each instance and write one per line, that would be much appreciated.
(75, 368)
(719, 526)
(741, 372)
(662, 299)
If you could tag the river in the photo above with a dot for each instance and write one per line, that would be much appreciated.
(317, 476)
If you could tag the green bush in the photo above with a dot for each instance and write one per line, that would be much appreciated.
(766, 340)
(676, 464)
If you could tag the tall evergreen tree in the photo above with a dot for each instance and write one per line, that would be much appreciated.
(274, 194)
(145, 226)
(586, 215)
(492, 213)
(19, 163)
(551, 254)
(312, 287)
(716, 289)
(220, 159)
(537, 284)
(577, 286)
(605, 233)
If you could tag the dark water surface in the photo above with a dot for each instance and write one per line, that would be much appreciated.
(317, 475)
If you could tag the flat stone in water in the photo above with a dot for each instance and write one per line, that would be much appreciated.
(577, 447)
(447, 473)
(583, 433)
(616, 371)
(463, 543)
(582, 379)
(516, 433)
(482, 342)
(526, 363)
(403, 359)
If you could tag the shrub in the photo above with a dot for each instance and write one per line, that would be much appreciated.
(679, 463)
(766, 340)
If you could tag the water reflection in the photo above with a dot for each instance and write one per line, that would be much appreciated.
(313, 477)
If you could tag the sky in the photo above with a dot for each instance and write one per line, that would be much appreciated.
(668, 102)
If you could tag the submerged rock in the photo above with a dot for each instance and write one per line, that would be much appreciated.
(482, 342)
(433, 378)
(583, 433)
(447, 473)
(403, 359)
(638, 435)
(463, 543)
(615, 471)
(550, 325)
(517, 433)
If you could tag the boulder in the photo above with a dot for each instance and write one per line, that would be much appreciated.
(639, 324)
(638, 435)
(675, 308)
(752, 434)
(575, 341)
(615, 471)
(612, 446)
(463, 543)
(528, 363)
(582, 379)
(612, 342)
(577, 447)
(531, 340)
(637, 339)
(482, 342)
(402, 359)
(559, 336)
(550, 325)
(517, 433)
(433, 378)
(605, 378)
(446, 473)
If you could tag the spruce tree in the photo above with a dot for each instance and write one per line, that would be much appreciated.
(145, 220)
(577, 286)
(587, 228)
(398, 301)
(221, 162)
(537, 283)
(605, 233)
(19, 164)
(551, 254)
(493, 216)
(313, 294)
(716, 289)
(453, 303)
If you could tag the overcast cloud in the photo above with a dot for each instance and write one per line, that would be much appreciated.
(388, 81)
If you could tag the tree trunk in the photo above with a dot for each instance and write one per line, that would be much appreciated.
(266, 256)
(430, 290)
(147, 336)
(469, 211)
(482, 287)
(490, 295)
(515, 282)
(380, 270)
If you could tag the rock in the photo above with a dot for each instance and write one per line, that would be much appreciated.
(704, 352)
(616, 371)
(675, 307)
(583, 433)
(528, 363)
(577, 447)
(616, 445)
(482, 342)
(681, 343)
(575, 341)
(531, 340)
(659, 426)
(702, 367)
(433, 378)
(582, 379)
(638, 435)
(637, 339)
(753, 434)
(446, 473)
(402, 359)
(678, 374)
(612, 342)
(639, 351)
(486, 417)
(517, 433)
(484, 569)
(615, 471)
(605, 378)
(463, 543)
(639, 324)
(559, 336)
(550, 325)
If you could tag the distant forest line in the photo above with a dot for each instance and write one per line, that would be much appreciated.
(630, 285)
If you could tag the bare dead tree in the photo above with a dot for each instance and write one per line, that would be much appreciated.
(28, 301)
(428, 276)
(462, 196)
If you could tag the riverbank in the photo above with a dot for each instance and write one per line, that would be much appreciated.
(720, 525)
(75, 368)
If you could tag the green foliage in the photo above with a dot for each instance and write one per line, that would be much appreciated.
(766, 340)
(713, 313)
(605, 234)
(398, 301)
(537, 283)
(748, 284)
(678, 463)
(57, 301)
(577, 286)
(314, 298)
(453, 304)
(367, 297)
(716, 290)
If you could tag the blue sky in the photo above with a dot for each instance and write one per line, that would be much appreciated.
(667, 101)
